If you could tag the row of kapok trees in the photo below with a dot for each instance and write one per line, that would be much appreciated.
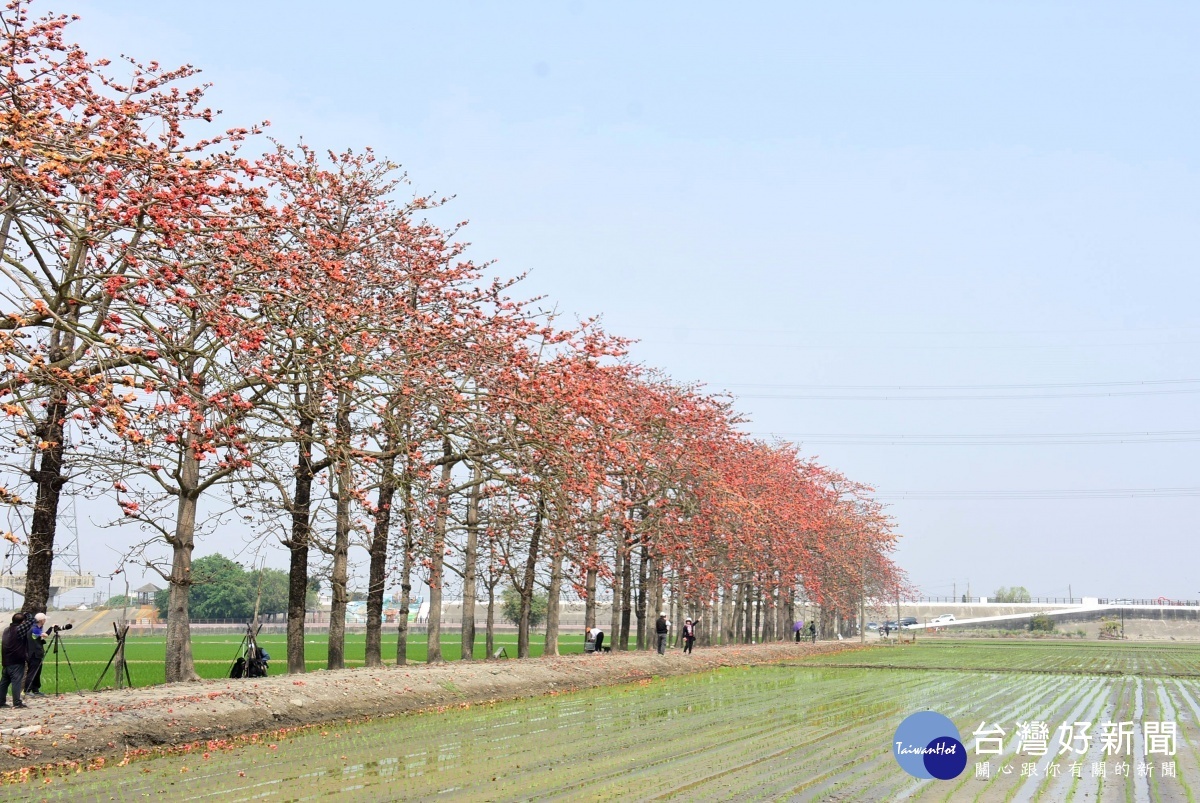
(204, 336)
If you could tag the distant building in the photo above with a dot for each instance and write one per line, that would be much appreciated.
(145, 594)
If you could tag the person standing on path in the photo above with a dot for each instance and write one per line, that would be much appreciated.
(689, 634)
(14, 652)
(812, 630)
(37, 655)
(661, 628)
(798, 628)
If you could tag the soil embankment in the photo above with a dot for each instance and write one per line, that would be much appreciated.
(110, 724)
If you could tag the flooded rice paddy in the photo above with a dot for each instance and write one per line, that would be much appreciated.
(798, 731)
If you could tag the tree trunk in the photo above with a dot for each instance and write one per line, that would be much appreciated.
(728, 618)
(179, 664)
(589, 584)
(714, 629)
(338, 579)
(791, 612)
(527, 581)
(614, 635)
(377, 574)
(738, 613)
(491, 620)
(758, 617)
(298, 546)
(626, 595)
(405, 573)
(771, 617)
(643, 640)
(748, 612)
(656, 587)
(552, 609)
(49, 481)
(437, 560)
(470, 559)
(679, 611)
(782, 625)
(341, 539)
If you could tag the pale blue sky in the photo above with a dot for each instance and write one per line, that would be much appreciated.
(810, 194)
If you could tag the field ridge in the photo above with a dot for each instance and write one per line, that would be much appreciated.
(114, 723)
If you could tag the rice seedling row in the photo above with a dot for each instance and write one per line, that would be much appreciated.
(795, 731)
(1115, 658)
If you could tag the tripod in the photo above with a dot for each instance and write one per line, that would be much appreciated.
(57, 646)
(248, 657)
(121, 671)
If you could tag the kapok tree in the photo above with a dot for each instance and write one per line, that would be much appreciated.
(193, 314)
(94, 171)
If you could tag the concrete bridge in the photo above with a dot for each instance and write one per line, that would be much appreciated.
(1142, 620)
(59, 582)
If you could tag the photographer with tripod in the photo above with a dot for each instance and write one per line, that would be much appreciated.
(14, 652)
(37, 654)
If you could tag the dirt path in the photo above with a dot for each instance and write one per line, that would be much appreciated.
(110, 724)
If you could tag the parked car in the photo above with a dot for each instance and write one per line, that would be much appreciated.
(908, 621)
(872, 625)
(943, 619)
(889, 625)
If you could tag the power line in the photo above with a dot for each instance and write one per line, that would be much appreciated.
(983, 397)
(1026, 386)
(910, 347)
(676, 328)
(1070, 493)
(1014, 439)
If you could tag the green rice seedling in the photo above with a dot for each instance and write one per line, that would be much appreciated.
(805, 729)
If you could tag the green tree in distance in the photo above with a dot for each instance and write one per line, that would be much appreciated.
(223, 589)
(510, 607)
(1014, 594)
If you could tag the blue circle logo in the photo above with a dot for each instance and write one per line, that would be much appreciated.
(927, 745)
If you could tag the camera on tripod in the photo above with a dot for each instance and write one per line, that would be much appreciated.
(59, 646)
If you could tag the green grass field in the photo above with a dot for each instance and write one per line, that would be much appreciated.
(809, 729)
(214, 655)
